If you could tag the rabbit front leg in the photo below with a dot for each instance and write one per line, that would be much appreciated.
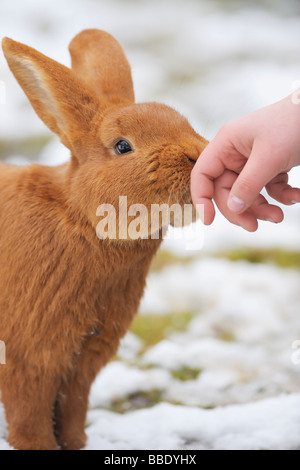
(72, 399)
(28, 401)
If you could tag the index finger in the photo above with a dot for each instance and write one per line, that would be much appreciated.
(208, 167)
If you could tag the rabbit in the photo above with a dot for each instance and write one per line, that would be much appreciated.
(67, 294)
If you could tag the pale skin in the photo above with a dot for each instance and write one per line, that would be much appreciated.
(253, 152)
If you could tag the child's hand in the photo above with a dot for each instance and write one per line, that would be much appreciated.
(253, 152)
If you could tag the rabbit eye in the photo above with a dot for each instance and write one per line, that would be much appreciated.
(123, 147)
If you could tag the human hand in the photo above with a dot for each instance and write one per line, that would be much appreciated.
(253, 152)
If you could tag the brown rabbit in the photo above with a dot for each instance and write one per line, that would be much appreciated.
(67, 297)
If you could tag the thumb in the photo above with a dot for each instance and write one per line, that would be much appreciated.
(258, 171)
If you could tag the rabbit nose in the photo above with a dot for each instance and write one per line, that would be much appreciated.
(193, 150)
(192, 155)
(191, 160)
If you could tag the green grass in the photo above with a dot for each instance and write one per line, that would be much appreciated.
(280, 257)
(152, 329)
(29, 147)
(226, 336)
(165, 258)
(185, 373)
(136, 401)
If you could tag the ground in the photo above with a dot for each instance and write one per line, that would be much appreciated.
(211, 361)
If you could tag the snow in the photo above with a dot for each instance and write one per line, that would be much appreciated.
(271, 424)
(220, 285)
(210, 63)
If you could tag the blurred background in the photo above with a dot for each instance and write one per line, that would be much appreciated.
(216, 326)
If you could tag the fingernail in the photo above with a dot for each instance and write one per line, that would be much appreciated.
(270, 220)
(236, 204)
(295, 202)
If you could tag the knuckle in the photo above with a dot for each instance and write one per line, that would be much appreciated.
(244, 186)
(226, 129)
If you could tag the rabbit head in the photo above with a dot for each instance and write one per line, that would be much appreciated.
(118, 148)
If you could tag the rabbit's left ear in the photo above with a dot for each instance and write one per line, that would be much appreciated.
(99, 60)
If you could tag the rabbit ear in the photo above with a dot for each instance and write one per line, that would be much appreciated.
(59, 98)
(99, 59)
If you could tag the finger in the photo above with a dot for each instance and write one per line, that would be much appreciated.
(208, 167)
(257, 172)
(206, 210)
(263, 210)
(294, 195)
(281, 191)
(223, 185)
